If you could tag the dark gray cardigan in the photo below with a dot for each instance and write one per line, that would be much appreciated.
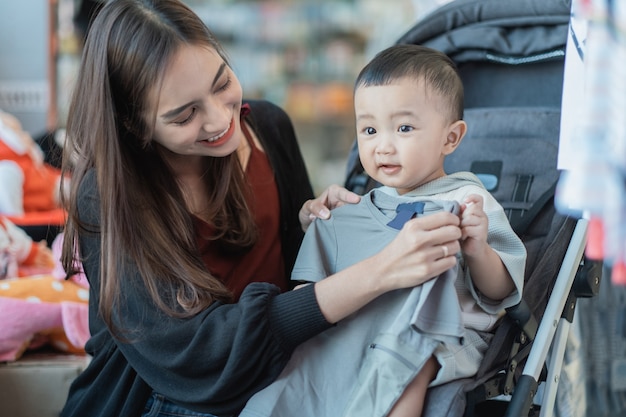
(215, 361)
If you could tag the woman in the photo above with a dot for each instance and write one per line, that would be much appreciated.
(174, 208)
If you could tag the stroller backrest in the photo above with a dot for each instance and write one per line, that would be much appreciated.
(510, 55)
(514, 152)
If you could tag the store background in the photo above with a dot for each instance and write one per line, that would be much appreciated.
(304, 56)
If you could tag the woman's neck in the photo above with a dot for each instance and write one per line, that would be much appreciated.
(190, 170)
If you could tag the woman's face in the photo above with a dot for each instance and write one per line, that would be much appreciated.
(198, 106)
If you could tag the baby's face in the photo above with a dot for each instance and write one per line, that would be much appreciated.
(401, 132)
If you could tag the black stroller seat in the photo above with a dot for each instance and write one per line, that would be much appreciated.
(510, 55)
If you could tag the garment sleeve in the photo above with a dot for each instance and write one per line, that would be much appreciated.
(225, 353)
(511, 250)
(317, 258)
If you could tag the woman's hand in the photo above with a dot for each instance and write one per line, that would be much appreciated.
(333, 197)
(424, 248)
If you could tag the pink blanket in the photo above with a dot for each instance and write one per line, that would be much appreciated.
(43, 310)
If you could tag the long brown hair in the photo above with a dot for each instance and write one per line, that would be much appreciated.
(144, 218)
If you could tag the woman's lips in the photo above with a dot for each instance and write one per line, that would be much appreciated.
(222, 137)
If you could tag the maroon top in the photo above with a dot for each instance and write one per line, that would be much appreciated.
(264, 261)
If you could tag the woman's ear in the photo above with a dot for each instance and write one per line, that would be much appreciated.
(456, 132)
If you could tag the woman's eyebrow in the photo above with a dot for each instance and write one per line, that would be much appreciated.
(178, 110)
(175, 112)
(219, 73)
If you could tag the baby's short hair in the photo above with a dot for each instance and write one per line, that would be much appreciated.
(420, 63)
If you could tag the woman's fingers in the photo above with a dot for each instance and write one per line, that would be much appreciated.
(333, 197)
(424, 248)
(337, 196)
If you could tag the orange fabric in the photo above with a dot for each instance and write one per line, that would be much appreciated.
(54, 217)
(40, 182)
(30, 259)
(44, 288)
(21, 299)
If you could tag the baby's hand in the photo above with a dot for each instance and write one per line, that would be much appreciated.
(474, 226)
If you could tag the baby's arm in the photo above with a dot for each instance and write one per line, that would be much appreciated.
(488, 273)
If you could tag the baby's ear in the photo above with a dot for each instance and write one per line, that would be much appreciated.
(456, 132)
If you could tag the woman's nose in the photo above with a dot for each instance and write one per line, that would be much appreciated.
(218, 117)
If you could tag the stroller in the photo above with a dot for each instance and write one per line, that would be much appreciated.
(510, 55)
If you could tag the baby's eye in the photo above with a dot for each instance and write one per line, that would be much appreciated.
(405, 128)
(369, 130)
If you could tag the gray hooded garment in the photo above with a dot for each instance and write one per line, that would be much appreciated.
(363, 364)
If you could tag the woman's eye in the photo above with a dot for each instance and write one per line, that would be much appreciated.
(369, 130)
(187, 119)
(225, 85)
(405, 128)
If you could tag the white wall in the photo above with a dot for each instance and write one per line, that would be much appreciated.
(24, 43)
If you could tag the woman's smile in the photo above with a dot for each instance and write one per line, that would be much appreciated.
(221, 138)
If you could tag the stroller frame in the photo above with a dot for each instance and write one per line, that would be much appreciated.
(552, 332)
(463, 29)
